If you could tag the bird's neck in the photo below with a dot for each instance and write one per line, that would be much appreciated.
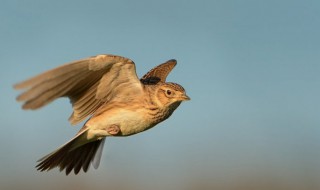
(157, 110)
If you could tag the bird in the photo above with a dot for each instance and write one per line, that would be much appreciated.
(105, 89)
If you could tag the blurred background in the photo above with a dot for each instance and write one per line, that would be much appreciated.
(251, 68)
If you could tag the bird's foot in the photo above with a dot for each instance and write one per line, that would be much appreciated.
(113, 130)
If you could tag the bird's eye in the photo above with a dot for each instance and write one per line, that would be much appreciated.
(169, 92)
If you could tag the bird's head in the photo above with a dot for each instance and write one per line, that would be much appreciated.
(170, 94)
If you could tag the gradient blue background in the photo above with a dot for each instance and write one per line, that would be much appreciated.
(251, 68)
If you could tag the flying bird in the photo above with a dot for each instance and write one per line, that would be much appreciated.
(106, 89)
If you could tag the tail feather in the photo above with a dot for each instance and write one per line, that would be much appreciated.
(96, 160)
(70, 158)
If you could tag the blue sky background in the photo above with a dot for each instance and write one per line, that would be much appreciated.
(251, 68)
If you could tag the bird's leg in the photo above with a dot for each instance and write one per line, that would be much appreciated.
(113, 129)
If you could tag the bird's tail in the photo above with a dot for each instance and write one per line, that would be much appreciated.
(74, 155)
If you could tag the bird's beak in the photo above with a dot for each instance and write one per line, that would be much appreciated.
(184, 97)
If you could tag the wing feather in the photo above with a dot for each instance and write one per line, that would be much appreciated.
(41, 95)
(88, 83)
(52, 74)
(46, 85)
(159, 73)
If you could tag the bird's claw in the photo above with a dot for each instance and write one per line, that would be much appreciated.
(113, 129)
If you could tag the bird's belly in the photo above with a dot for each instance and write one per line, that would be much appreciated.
(129, 122)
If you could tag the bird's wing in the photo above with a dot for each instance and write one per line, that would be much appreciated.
(159, 73)
(88, 83)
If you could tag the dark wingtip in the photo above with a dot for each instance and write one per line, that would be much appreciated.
(173, 60)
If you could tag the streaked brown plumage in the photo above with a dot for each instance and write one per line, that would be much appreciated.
(106, 88)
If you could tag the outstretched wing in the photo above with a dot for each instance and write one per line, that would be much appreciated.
(159, 73)
(88, 83)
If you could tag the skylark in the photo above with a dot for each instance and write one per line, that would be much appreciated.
(106, 88)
